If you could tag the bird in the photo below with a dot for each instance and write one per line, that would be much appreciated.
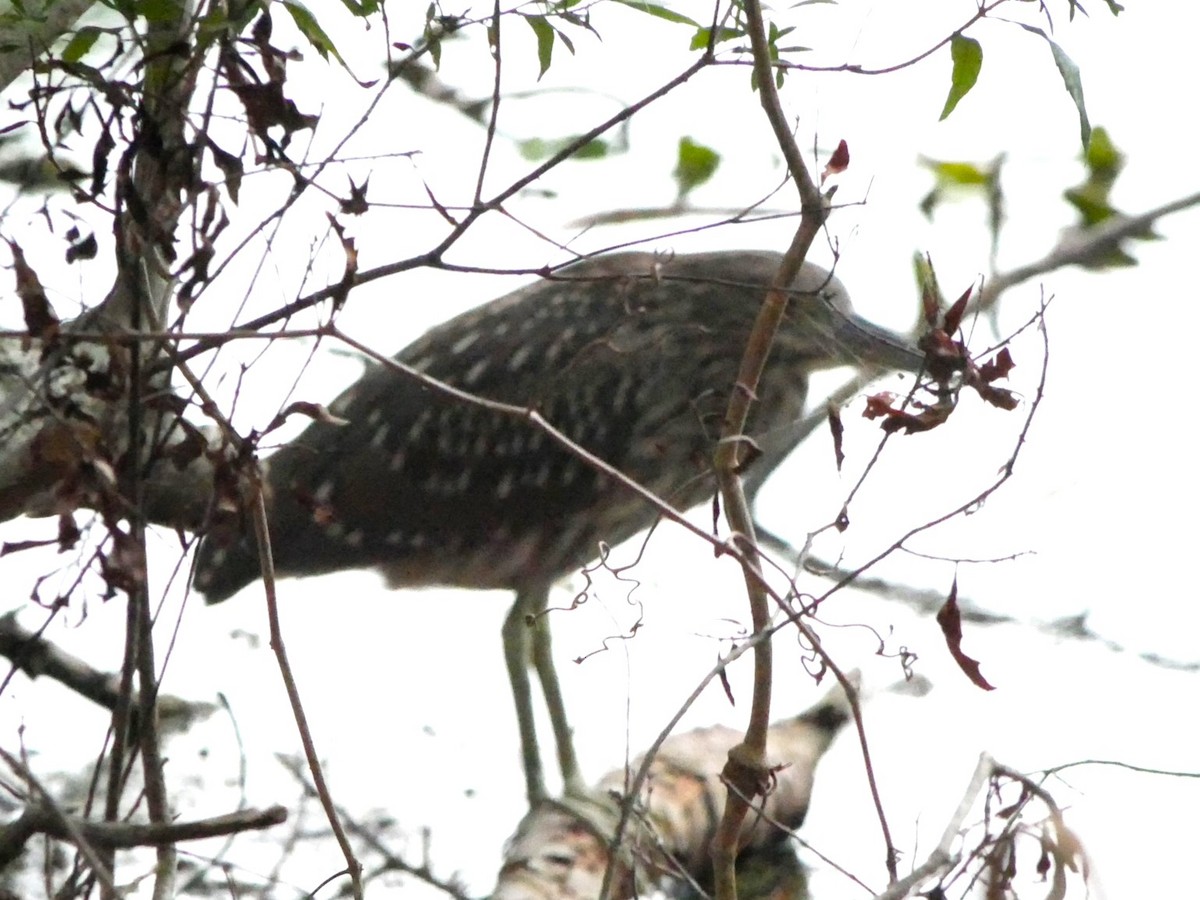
(631, 355)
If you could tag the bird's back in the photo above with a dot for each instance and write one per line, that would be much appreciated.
(631, 357)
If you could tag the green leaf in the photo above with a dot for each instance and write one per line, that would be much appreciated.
(541, 148)
(81, 43)
(931, 298)
(362, 9)
(1102, 157)
(695, 165)
(659, 12)
(1071, 81)
(957, 173)
(545, 42)
(1113, 7)
(967, 56)
(1091, 202)
(158, 10)
(1074, 86)
(700, 38)
(312, 30)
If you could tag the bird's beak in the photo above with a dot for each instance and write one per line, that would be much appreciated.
(864, 344)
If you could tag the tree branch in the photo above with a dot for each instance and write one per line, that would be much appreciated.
(39, 819)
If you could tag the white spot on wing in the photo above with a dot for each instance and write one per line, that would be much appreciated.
(504, 486)
(517, 361)
(475, 372)
(464, 342)
(380, 437)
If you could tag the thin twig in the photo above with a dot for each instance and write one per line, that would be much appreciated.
(262, 535)
(943, 857)
(370, 837)
(434, 257)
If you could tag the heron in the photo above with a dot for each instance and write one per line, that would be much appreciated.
(630, 355)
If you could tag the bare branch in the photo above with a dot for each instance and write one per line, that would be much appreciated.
(35, 656)
(39, 819)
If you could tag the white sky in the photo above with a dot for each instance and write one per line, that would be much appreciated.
(1104, 495)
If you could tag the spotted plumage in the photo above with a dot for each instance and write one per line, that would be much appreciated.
(630, 355)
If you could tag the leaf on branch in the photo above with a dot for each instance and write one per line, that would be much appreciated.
(1072, 81)
(356, 204)
(961, 174)
(958, 178)
(545, 42)
(980, 378)
(1103, 159)
(40, 320)
(950, 620)
(839, 162)
(726, 686)
(931, 294)
(363, 9)
(882, 405)
(312, 31)
(659, 12)
(967, 57)
(1001, 397)
(264, 102)
(953, 317)
(543, 148)
(997, 367)
(694, 165)
(81, 42)
(82, 246)
(266, 105)
(105, 144)
(704, 36)
(230, 166)
(834, 416)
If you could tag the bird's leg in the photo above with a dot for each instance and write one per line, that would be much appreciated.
(518, 656)
(543, 662)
